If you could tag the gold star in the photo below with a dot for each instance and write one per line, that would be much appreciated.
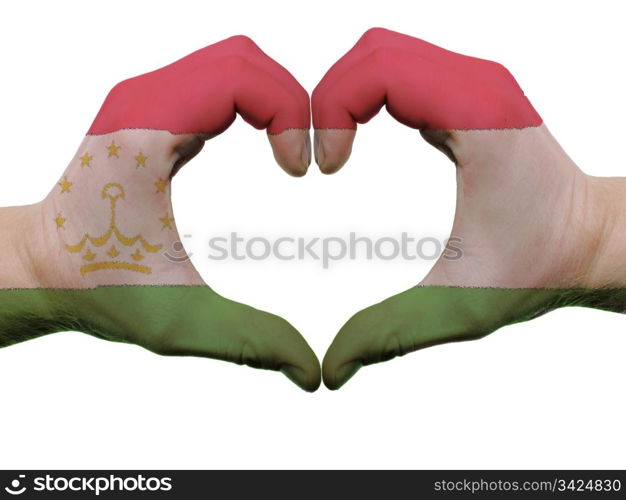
(60, 221)
(160, 186)
(141, 159)
(65, 185)
(113, 149)
(167, 221)
(85, 160)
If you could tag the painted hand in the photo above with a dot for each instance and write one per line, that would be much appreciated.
(106, 256)
(536, 233)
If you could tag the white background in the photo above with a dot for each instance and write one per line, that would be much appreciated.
(549, 393)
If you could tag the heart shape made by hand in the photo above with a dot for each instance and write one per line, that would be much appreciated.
(536, 233)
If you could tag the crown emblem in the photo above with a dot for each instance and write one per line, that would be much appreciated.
(111, 240)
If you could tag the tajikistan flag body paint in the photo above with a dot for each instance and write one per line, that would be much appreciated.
(107, 257)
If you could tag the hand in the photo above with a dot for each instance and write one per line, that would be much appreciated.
(101, 254)
(535, 232)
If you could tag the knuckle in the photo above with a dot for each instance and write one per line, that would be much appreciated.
(318, 94)
(380, 55)
(123, 91)
(393, 347)
(162, 343)
(374, 36)
(232, 64)
(478, 324)
(498, 70)
(242, 43)
(118, 89)
(248, 356)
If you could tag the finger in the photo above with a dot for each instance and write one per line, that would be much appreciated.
(188, 321)
(202, 93)
(423, 86)
(333, 148)
(429, 315)
(293, 158)
(268, 97)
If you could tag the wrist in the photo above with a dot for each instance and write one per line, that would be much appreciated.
(606, 252)
(20, 230)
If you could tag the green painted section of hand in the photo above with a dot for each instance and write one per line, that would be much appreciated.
(425, 316)
(169, 320)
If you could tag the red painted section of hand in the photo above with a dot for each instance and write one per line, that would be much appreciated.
(202, 93)
(422, 86)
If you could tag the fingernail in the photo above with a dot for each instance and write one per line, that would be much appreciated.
(299, 377)
(306, 151)
(343, 374)
(319, 150)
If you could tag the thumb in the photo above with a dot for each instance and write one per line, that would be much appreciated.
(425, 316)
(220, 328)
